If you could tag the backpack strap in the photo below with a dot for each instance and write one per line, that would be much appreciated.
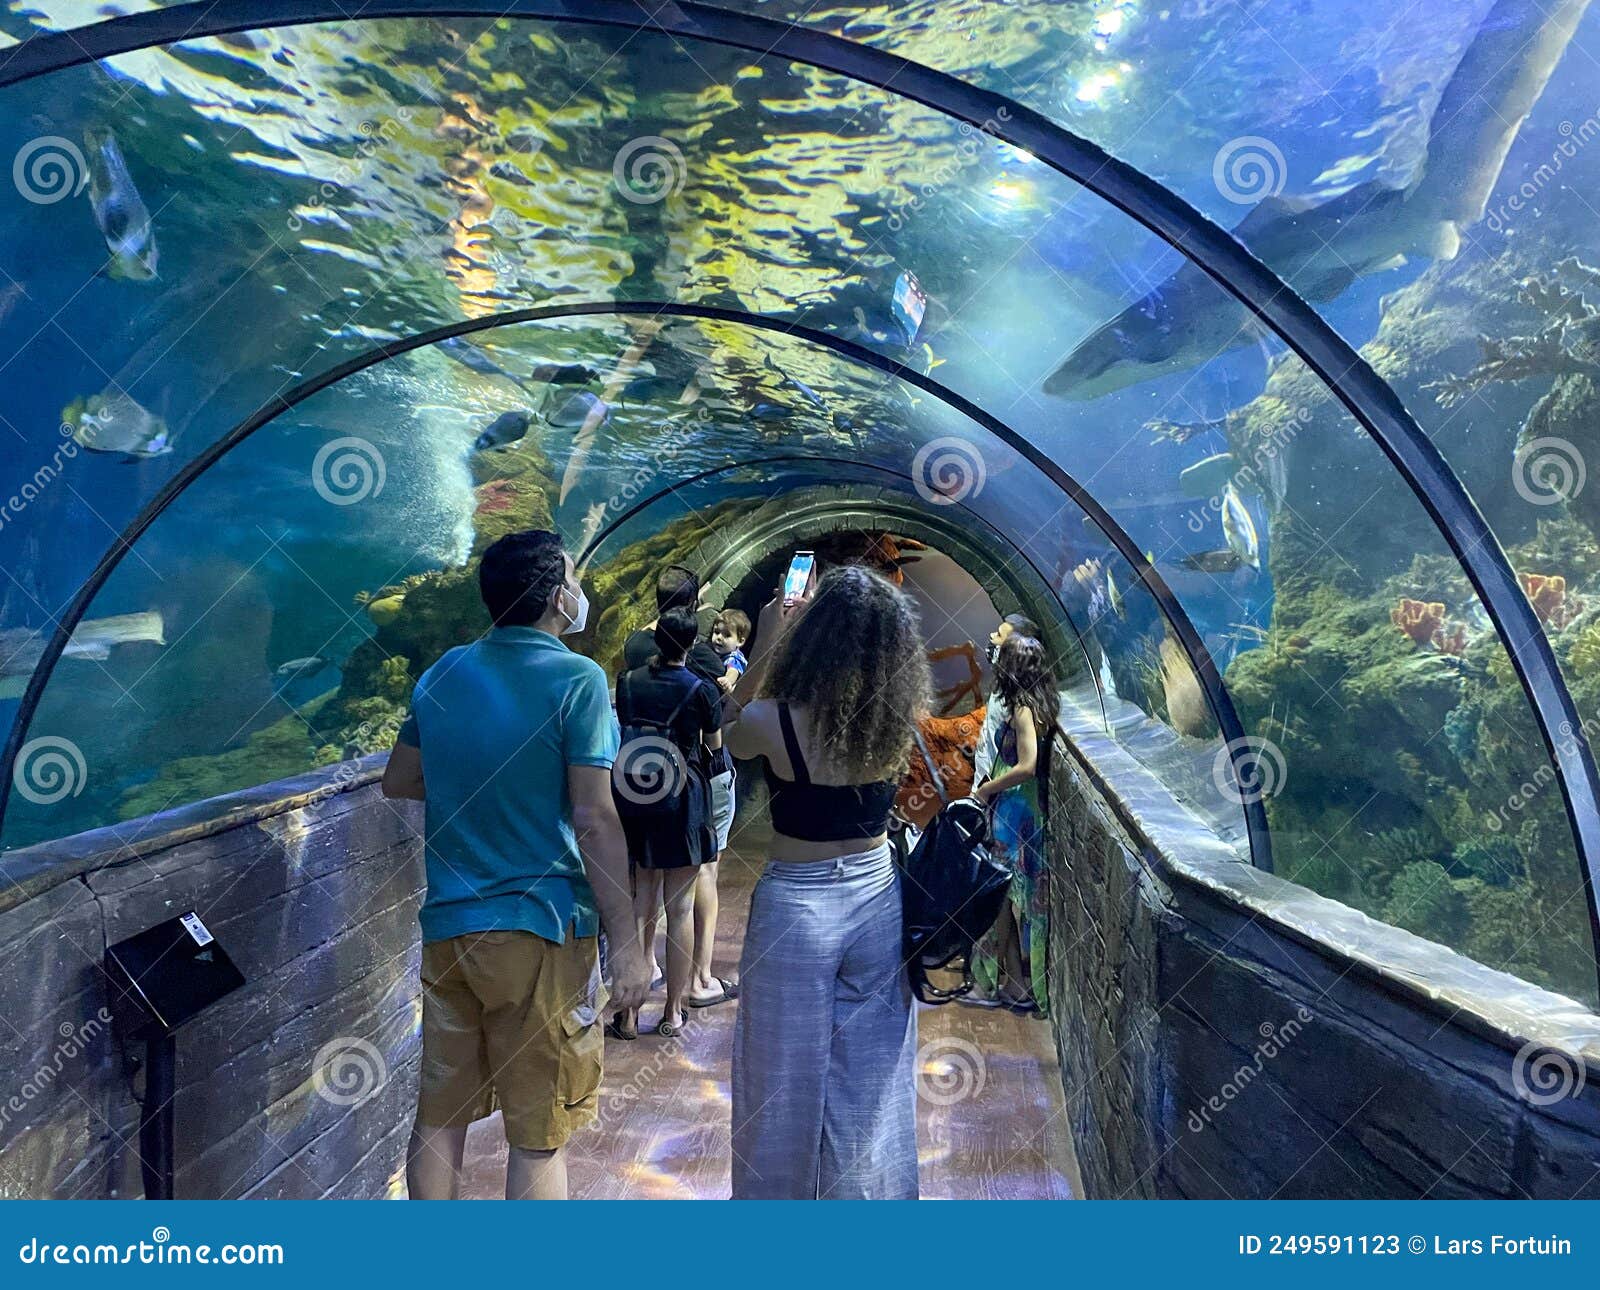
(791, 745)
(933, 769)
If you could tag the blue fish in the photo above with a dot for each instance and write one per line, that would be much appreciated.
(503, 431)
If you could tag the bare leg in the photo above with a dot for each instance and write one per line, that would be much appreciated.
(679, 888)
(433, 1162)
(1015, 987)
(646, 904)
(707, 904)
(536, 1175)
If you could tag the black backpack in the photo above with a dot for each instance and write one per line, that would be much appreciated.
(952, 890)
(652, 776)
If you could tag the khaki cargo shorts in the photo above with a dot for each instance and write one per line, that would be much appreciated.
(514, 1016)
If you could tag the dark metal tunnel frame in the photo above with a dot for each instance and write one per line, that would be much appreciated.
(1228, 262)
(1210, 679)
(711, 472)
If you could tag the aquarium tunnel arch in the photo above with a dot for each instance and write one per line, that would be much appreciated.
(1513, 749)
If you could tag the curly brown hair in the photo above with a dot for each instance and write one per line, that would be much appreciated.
(856, 661)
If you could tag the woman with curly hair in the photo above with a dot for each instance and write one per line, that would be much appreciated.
(824, 1050)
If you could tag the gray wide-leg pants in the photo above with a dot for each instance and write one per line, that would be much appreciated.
(825, 1044)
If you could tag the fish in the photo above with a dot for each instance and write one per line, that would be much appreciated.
(1224, 561)
(111, 422)
(766, 413)
(800, 387)
(577, 409)
(1114, 596)
(504, 430)
(652, 389)
(21, 648)
(1207, 477)
(473, 358)
(298, 669)
(1240, 529)
(120, 212)
(563, 374)
(1182, 431)
(1320, 247)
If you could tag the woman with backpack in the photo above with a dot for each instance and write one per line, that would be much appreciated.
(671, 725)
(824, 1048)
(1009, 965)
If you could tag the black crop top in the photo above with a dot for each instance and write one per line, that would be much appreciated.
(824, 812)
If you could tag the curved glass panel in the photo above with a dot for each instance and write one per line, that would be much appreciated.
(247, 212)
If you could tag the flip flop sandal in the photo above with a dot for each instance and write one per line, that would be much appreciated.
(615, 1029)
(671, 1029)
(730, 990)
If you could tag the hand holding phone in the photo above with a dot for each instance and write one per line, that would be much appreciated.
(797, 582)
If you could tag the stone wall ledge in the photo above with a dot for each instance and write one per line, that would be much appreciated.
(31, 871)
(1179, 849)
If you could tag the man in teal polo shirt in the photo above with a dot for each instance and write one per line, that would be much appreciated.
(510, 743)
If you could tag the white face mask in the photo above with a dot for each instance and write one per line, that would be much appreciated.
(580, 619)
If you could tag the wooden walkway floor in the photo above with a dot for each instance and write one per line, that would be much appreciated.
(990, 1118)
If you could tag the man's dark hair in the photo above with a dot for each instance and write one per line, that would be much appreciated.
(677, 588)
(676, 632)
(1022, 625)
(519, 574)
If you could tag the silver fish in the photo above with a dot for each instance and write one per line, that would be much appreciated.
(1240, 529)
(576, 410)
(93, 638)
(299, 668)
(120, 212)
(113, 423)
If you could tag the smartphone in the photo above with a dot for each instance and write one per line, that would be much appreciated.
(798, 580)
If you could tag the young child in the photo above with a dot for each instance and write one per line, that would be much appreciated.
(728, 634)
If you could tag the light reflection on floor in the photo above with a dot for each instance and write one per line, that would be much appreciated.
(990, 1118)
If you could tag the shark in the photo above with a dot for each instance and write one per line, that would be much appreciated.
(1320, 247)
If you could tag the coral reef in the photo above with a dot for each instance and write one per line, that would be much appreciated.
(1547, 593)
(1418, 620)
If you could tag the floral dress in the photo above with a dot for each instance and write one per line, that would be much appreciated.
(1018, 841)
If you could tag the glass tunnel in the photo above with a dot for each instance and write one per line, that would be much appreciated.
(1272, 406)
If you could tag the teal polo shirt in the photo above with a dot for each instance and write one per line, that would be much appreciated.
(498, 722)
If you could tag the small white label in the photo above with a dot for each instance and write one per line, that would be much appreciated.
(197, 929)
